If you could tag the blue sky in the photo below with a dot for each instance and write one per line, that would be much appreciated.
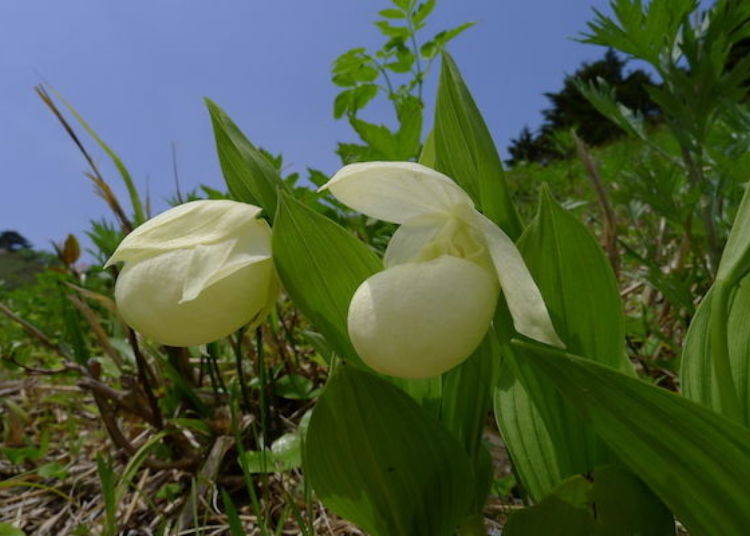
(138, 71)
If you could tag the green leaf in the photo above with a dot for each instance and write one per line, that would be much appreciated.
(285, 454)
(350, 101)
(578, 284)
(466, 153)
(6, 529)
(373, 456)
(735, 260)
(695, 460)
(428, 157)
(717, 355)
(404, 62)
(602, 96)
(135, 200)
(564, 512)
(108, 479)
(608, 503)
(250, 177)
(545, 437)
(423, 11)
(408, 137)
(392, 13)
(353, 67)
(643, 29)
(389, 30)
(235, 523)
(624, 506)
(466, 396)
(52, 470)
(466, 400)
(442, 38)
(294, 387)
(697, 373)
(378, 137)
(320, 265)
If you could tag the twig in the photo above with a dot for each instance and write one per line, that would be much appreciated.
(96, 327)
(33, 330)
(143, 375)
(103, 188)
(610, 222)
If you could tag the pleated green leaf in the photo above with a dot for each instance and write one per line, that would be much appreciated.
(466, 402)
(249, 175)
(695, 460)
(545, 437)
(609, 502)
(735, 259)
(717, 346)
(321, 264)
(464, 150)
(697, 373)
(375, 457)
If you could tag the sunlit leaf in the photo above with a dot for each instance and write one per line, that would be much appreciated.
(695, 460)
(466, 152)
(249, 175)
(375, 457)
(546, 438)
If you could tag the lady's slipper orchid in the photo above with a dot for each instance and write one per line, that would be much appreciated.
(431, 306)
(196, 272)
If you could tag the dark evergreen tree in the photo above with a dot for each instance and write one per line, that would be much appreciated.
(571, 109)
(13, 241)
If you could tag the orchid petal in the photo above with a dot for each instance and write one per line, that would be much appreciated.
(196, 222)
(396, 191)
(530, 315)
(412, 237)
(211, 262)
(420, 319)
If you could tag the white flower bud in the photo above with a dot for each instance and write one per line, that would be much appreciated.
(196, 272)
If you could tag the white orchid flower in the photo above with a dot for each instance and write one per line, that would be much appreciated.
(196, 272)
(444, 266)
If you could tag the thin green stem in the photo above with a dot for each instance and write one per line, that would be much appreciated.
(240, 371)
(263, 378)
(415, 46)
(719, 337)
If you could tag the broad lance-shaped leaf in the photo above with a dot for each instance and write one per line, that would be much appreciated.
(249, 175)
(546, 439)
(608, 502)
(465, 403)
(697, 373)
(321, 264)
(735, 260)
(375, 457)
(695, 460)
(464, 150)
(467, 389)
(722, 318)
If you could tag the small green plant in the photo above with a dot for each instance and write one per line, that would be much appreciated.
(397, 70)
